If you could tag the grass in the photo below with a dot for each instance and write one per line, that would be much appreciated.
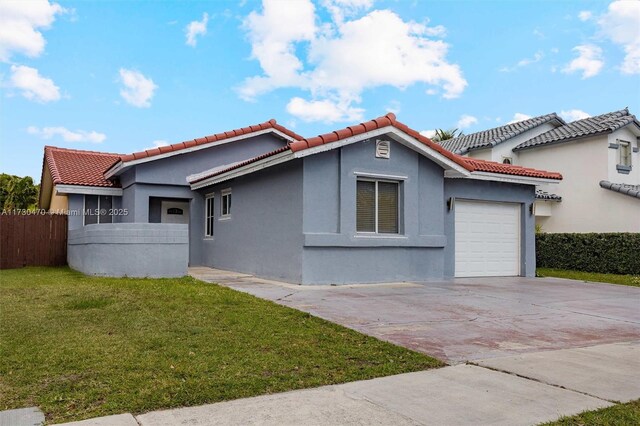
(631, 280)
(80, 347)
(621, 414)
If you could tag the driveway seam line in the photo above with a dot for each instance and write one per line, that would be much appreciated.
(533, 379)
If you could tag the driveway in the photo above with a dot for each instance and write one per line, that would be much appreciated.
(465, 319)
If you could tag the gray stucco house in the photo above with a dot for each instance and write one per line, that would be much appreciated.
(374, 202)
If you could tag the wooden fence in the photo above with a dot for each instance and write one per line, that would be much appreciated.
(33, 240)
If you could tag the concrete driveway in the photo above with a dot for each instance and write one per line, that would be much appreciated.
(465, 319)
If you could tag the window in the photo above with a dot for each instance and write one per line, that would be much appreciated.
(208, 216)
(507, 160)
(625, 153)
(98, 209)
(377, 207)
(225, 205)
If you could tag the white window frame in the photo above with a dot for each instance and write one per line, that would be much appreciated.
(627, 146)
(224, 193)
(208, 197)
(376, 232)
(84, 209)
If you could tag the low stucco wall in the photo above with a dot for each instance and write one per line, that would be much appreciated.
(130, 249)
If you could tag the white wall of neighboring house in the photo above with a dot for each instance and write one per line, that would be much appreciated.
(633, 178)
(585, 206)
(498, 152)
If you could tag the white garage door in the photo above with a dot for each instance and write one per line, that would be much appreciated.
(487, 239)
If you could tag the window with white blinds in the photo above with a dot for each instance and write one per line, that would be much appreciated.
(377, 207)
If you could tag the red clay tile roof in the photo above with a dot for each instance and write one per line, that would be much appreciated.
(76, 167)
(508, 169)
(385, 121)
(271, 124)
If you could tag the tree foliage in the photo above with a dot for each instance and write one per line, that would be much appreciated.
(443, 135)
(17, 192)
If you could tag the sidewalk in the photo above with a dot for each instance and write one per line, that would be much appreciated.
(458, 395)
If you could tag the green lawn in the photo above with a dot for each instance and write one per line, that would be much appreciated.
(632, 280)
(621, 414)
(80, 347)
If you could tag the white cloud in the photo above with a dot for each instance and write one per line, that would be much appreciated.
(336, 61)
(589, 61)
(33, 85)
(466, 121)
(428, 133)
(393, 106)
(67, 135)
(138, 89)
(20, 25)
(621, 25)
(538, 33)
(157, 144)
(585, 15)
(195, 29)
(323, 110)
(574, 114)
(518, 116)
(537, 57)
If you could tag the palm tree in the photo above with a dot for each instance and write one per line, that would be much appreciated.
(443, 135)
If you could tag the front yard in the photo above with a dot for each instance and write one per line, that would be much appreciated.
(80, 347)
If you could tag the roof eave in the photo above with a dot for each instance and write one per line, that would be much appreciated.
(508, 178)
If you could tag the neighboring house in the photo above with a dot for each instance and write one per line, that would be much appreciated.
(375, 202)
(597, 156)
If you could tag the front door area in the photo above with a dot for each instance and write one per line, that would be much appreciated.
(174, 212)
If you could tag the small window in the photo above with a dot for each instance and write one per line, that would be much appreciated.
(625, 153)
(98, 209)
(507, 160)
(377, 207)
(208, 216)
(225, 205)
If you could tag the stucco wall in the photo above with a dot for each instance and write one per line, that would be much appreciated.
(503, 149)
(263, 236)
(492, 191)
(335, 254)
(132, 250)
(585, 206)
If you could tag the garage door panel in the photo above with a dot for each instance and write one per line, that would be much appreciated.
(487, 239)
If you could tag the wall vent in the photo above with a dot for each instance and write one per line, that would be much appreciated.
(383, 149)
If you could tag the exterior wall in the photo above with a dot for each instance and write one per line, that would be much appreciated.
(76, 206)
(59, 202)
(174, 170)
(585, 206)
(498, 152)
(263, 236)
(131, 250)
(333, 251)
(613, 157)
(469, 189)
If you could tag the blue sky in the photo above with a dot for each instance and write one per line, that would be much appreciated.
(124, 76)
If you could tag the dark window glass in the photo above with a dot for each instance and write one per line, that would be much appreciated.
(90, 209)
(387, 207)
(106, 204)
(208, 232)
(365, 206)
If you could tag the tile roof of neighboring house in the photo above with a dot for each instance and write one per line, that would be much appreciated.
(605, 123)
(380, 122)
(76, 167)
(543, 195)
(271, 124)
(631, 190)
(492, 137)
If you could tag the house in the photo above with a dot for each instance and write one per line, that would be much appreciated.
(597, 156)
(374, 202)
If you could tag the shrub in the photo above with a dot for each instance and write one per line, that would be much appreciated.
(617, 253)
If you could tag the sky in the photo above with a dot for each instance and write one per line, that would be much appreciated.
(123, 76)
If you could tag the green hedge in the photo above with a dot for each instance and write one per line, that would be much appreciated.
(605, 253)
